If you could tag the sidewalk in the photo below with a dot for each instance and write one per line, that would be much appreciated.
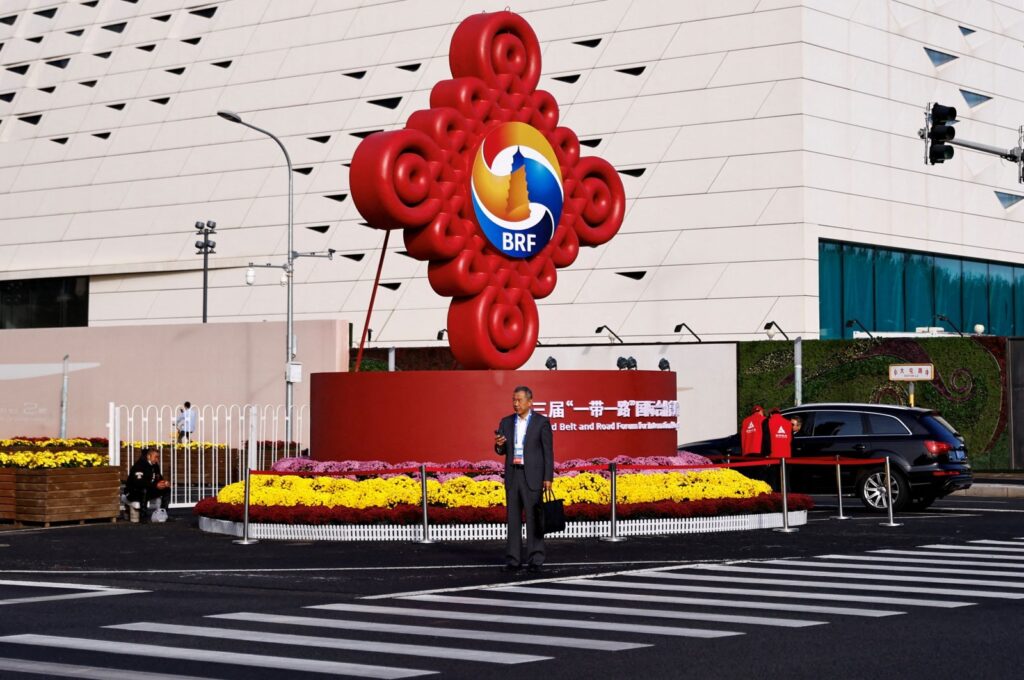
(996, 485)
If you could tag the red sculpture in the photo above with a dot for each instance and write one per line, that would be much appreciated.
(489, 190)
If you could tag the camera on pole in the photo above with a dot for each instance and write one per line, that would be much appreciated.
(938, 123)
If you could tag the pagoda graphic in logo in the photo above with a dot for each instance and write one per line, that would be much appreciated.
(489, 190)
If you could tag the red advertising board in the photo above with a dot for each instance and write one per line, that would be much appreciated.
(442, 416)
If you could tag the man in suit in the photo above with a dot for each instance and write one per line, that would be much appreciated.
(524, 438)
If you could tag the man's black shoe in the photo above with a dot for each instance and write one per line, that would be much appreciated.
(533, 569)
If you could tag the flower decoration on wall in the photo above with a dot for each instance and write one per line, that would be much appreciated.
(489, 190)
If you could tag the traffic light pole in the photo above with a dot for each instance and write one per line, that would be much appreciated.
(1013, 154)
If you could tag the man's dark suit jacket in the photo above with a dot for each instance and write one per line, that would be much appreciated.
(538, 450)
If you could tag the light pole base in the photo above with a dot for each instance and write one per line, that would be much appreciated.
(612, 539)
(245, 541)
(890, 524)
(426, 541)
(786, 530)
(840, 517)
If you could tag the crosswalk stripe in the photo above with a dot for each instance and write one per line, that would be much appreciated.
(292, 664)
(896, 567)
(858, 575)
(969, 548)
(875, 599)
(433, 631)
(994, 560)
(64, 670)
(989, 541)
(732, 604)
(926, 557)
(484, 656)
(505, 619)
(688, 576)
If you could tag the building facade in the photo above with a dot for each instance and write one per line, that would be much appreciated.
(768, 150)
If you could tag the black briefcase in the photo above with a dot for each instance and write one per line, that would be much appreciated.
(550, 514)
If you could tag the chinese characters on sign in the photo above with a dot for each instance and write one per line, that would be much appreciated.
(911, 372)
(622, 414)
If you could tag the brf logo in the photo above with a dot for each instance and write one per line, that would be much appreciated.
(516, 188)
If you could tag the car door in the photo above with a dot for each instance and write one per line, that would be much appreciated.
(833, 432)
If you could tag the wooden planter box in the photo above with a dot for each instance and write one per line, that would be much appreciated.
(7, 477)
(66, 494)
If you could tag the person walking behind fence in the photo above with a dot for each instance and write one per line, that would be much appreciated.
(145, 483)
(525, 439)
(185, 423)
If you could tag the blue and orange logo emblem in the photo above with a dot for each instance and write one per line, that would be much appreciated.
(517, 189)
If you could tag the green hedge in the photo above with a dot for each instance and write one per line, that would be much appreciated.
(969, 389)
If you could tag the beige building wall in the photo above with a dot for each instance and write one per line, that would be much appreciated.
(209, 365)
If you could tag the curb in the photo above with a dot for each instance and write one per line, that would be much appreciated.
(992, 491)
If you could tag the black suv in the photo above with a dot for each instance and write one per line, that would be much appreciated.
(928, 456)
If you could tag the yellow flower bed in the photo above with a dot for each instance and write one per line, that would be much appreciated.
(169, 444)
(51, 459)
(45, 443)
(462, 492)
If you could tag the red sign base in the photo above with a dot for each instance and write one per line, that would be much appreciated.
(444, 416)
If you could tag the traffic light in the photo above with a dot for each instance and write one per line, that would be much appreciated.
(940, 131)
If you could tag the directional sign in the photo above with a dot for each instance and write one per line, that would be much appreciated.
(911, 372)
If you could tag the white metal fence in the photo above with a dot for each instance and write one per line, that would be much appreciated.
(213, 454)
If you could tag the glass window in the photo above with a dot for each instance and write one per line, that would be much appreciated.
(889, 296)
(830, 290)
(1000, 299)
(44, 303)
(947, 291)
(858, 286)
(975, 291)
(837, 423)
(1018, 300)
(919, 293)
(883, 424)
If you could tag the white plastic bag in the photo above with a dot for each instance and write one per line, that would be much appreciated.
(159, 515)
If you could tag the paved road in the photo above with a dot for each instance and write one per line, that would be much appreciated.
(940, 597)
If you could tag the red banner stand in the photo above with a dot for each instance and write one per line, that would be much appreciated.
(444, 416)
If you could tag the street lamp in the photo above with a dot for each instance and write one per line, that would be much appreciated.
(851, 322)
(663, 365)
(601, 329)
(943, 317)
(441, 333)
(681, 326)
(771, 328)
(206, 248)
(289, 268)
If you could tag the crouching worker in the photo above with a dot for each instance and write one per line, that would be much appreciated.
(146, 484)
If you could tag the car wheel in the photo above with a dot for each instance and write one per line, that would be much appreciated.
(871, 491)
(922, 503)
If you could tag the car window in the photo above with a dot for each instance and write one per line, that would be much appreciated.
(883, 424)
(806, 420)
(837, 424)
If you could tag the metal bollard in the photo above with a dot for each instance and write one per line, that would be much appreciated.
(250, 461)
(785, 528)
(426, 521)
(613, 537)
(839, 492)
(245, 540)
(888, 496)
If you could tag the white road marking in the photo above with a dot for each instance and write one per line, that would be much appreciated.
(64, 670)
(941, 546)
(894, 567)
(1004, 560)
(482, 656)
(992, 542)
(867, 576)
(702, 601)
(434, 631)
(291, 664)
(950, 511)
(534, 621)
(89, 591)
(797, 595)
(684, 576)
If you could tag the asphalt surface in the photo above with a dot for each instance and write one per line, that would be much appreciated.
(855, 616)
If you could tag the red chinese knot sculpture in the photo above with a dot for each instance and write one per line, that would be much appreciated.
(489, 190)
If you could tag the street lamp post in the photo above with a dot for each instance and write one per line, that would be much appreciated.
(206, 248)
(289, 272)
